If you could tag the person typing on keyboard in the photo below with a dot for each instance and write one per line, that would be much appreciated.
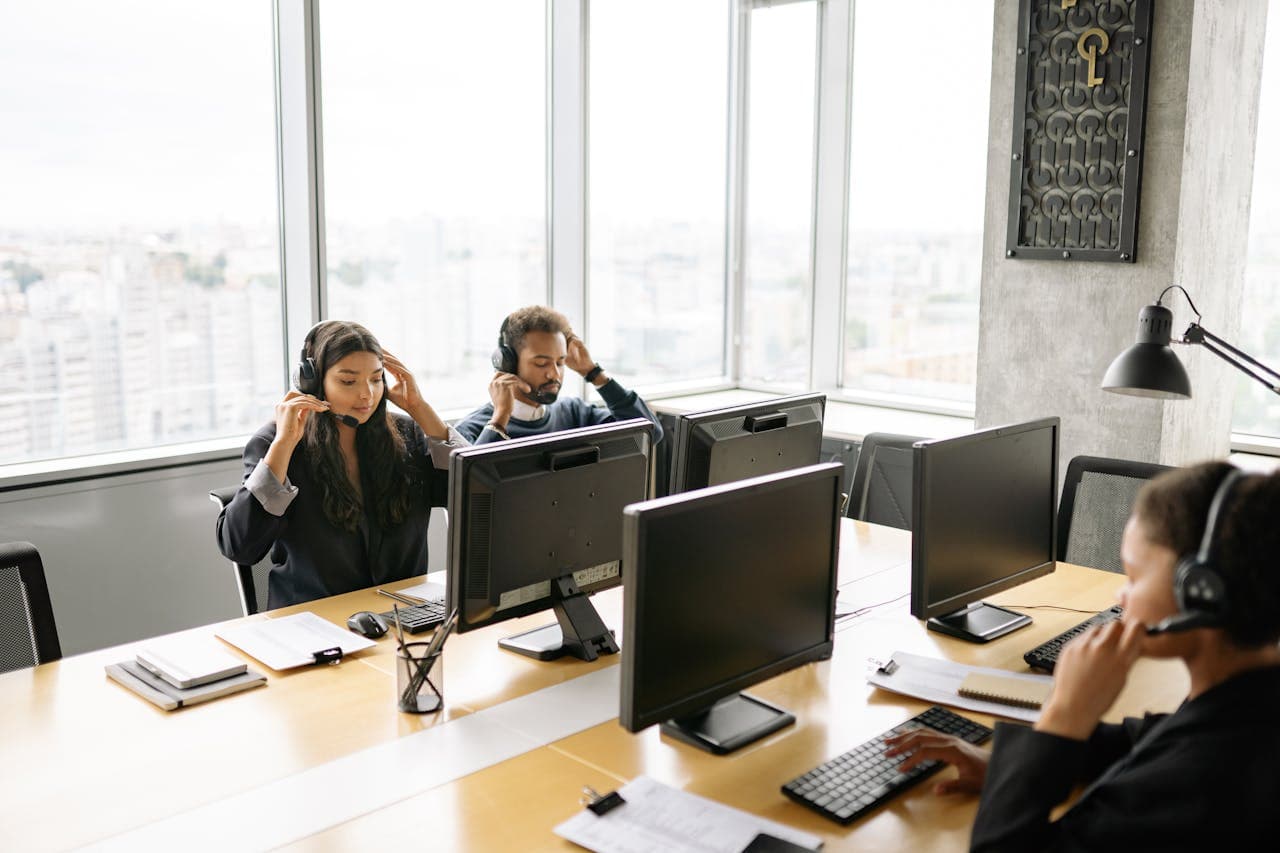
(1207, 774)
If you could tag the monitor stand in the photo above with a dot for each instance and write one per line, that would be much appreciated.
(580, 630)
(979, 622)
(733, 722)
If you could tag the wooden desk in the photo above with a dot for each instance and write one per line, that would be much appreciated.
(85, 760)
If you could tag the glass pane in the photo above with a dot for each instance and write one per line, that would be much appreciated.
(657, 188)
(435, 172)
(781, 80)
(1257, 410)
(139, 249)
(916, 193)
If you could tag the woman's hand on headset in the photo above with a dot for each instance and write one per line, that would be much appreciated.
(291, 420)
(291, 416)
(404, 393)
(1091, 672)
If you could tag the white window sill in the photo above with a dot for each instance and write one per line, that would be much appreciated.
(844, 420)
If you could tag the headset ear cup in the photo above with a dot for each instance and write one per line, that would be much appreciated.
(1198, 588)
(504, 359)
(305, 376)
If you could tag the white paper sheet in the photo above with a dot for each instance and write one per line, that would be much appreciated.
(939, 680)
(657, 818)
(291, 640)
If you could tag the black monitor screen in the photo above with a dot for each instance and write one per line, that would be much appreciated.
(525, 512)
(985, 508)
(727, 587)
(723, 445)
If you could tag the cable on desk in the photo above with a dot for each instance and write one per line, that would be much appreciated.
(862, 610)
(1049, 607)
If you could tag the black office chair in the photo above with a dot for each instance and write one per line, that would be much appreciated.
(28, 634)
(882, 480)
(248, 579)
(1097, 497)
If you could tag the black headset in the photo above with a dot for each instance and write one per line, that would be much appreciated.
(305, 376)
(1198, 586)
(504, 357)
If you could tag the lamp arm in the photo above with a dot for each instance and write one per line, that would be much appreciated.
(1197, 334)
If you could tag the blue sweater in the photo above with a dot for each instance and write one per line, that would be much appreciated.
(565, 413)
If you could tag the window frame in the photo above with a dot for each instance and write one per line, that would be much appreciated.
(300, 176)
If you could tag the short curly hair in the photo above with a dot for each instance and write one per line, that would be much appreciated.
(535, 318)
(1173, 510)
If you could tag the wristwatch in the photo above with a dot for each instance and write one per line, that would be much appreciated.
(590, 375)
(499, 430)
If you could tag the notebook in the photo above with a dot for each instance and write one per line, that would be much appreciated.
(189, 662)
(1009, 691)
(160, 692)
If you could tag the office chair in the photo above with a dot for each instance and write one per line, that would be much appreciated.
(882, 480)
(1097, 496)
(246, 581)
(28, 634)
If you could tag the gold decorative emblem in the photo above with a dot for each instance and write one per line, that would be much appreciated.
(1091, 49)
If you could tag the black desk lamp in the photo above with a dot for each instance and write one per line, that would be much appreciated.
(1150, 369)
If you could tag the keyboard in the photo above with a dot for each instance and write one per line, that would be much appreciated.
(850, 785)
(1045, 655)
(417, 618)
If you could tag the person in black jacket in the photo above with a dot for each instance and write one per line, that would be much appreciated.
(337, 489)
(1204, 777)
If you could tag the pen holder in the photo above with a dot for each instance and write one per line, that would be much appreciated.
(419, 679)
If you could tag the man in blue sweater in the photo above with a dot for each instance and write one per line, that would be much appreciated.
(535, 345)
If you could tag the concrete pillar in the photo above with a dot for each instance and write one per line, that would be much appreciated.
(1049, 329)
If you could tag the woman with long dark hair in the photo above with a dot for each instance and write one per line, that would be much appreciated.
(337, 489)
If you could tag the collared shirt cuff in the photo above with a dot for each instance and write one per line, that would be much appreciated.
(274, 496)
(441, 448)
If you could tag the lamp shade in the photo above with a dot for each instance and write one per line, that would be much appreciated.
(1149, 368)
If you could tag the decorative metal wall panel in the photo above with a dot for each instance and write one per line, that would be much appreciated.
(1079, 113)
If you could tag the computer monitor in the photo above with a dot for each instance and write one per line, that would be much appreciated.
(726, 587)
(723, 445)
(536, 523)
(984, 520)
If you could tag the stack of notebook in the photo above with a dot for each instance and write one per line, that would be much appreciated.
(173, 673)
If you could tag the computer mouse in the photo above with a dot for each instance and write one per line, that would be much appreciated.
(367, 624)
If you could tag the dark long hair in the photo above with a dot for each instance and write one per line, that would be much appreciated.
(385, 472)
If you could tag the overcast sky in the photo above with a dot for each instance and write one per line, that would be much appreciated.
(161, 112)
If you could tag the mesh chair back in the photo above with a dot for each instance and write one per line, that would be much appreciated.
(251, 581)
(882, 480)
(1097, 497)
(28, 634)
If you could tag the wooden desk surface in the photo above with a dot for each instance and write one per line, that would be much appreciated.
(85, 759)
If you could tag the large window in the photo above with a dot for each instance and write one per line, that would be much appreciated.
(777, 241)
(1257, 410)
(919, 126)
(139, 256)
(657, 187)
(435, 169)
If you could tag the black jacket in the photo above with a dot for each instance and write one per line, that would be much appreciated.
(310, 557)
(1206, 777)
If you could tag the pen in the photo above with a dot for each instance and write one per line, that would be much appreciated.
(395, 609)
(442, 633)
(411, 600)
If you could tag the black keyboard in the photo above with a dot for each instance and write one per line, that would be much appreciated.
(418, 618)
(850, 785)
(1045, 655)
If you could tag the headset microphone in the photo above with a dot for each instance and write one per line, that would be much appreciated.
(346, 419)
(1184, 622)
